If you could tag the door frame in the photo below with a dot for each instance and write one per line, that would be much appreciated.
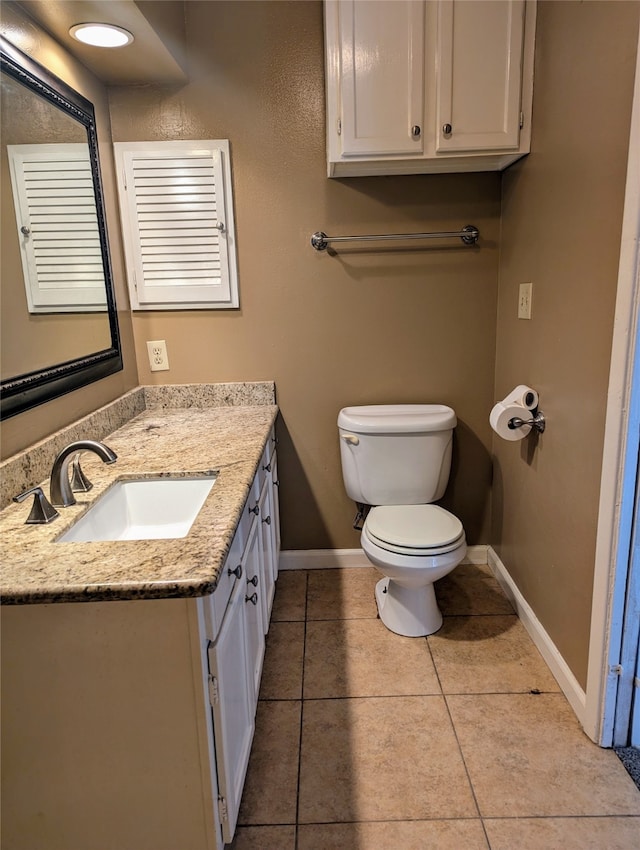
(619, 466)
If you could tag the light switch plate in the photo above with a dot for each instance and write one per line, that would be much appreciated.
(525, 295)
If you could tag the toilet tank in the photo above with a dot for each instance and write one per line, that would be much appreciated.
(396, 454)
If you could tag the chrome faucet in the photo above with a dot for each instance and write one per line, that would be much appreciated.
(60, 488)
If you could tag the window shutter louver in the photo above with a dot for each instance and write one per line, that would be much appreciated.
(57, 227)
(176, 206)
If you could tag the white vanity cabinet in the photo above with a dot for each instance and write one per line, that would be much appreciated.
(130, 723)
(419, 86)
(233, 623)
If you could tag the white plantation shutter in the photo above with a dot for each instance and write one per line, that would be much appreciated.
(177, 212)
(57, 227)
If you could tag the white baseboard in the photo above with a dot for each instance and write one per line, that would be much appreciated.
(321, 559)
(556, 663)
(326, 559)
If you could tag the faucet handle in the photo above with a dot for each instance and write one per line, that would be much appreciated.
(79, 481)
(42, 511)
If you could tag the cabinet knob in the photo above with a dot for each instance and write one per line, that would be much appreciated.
(267, 519)
(267, 468)
(447, 129)
(276, 483)
(253, 581)
(253, 599)
(237, 572)
(255, 510)
(415, 131)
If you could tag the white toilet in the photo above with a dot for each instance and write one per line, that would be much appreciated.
(396, 458)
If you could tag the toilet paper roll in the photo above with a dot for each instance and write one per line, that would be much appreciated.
(524, 395)
(500, 417)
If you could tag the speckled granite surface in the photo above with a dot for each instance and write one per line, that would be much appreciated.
(229, 439)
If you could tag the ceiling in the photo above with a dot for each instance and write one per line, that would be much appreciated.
(157, 54)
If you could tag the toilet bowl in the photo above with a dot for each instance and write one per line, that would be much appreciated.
(412, 546)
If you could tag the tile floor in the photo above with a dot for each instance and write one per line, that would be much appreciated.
(366, 740)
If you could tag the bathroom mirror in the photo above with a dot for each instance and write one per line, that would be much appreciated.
(66, 335)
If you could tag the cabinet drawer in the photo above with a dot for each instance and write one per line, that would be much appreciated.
(264, 467)
(226, 583)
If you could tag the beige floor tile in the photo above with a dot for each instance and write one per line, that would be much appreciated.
(264, 838)
(528, 757)
(381, 758)
(282, 671)
(397, 835)
(270, 790)
(475, 655)
(350, 658)
(291, 596)
(342, 594)
(599, 833)
(471, 589)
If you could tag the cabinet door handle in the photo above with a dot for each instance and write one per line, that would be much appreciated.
(267, 520)
(255, 510)
(253, 598)
(415, 131)
(253, 581)
(237, 572)
(447, 129)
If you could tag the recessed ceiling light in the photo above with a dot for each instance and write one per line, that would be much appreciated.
(101, 35)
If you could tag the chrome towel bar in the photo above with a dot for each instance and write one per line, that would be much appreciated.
(469, 235)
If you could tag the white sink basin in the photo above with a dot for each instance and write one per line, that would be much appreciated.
(143, 509)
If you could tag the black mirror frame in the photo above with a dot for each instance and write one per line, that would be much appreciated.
(33, 388)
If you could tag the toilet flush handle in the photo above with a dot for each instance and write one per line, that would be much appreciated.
(351, 439)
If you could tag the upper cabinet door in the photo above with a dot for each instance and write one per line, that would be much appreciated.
(380, 59)
(479, 72)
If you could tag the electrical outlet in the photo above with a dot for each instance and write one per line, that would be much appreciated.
(525, 295)
(158, 357)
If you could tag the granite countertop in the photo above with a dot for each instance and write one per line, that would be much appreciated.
(228, 440)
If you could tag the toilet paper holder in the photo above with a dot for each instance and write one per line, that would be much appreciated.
(538, 422)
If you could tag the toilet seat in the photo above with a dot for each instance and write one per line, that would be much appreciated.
(418, 530)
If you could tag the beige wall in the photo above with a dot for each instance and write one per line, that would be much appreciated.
(372, 325)
(22, 430)
(561, 224)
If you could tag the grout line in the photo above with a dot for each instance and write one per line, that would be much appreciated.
(466, 770)
(455, 734)
(304, 647)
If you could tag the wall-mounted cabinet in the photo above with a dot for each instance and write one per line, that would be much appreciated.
(420, 86)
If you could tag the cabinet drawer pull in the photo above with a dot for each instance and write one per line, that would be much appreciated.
(253, 599)
(267, 519)
(253, 581)
(237, 572)
(267, 468)
(255, 510)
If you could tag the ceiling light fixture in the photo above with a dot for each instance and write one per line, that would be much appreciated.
(101, 35)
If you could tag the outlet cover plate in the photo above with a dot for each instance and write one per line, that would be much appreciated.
(158, 357)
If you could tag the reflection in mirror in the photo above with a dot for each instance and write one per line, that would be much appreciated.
(58, 325)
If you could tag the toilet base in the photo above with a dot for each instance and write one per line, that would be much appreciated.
(408, 611)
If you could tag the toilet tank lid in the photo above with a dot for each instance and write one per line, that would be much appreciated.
(396, 418)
